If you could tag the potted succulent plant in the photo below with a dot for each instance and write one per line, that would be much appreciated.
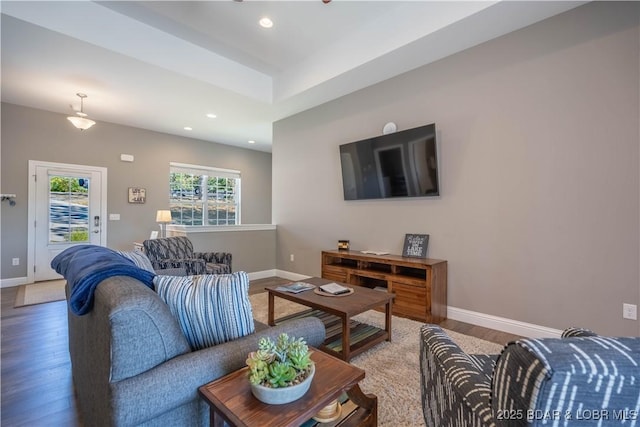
(280, 372)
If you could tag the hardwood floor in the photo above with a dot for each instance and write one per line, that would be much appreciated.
(36, 372)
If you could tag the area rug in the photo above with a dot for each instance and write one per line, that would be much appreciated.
(392, 368)
(39, 293)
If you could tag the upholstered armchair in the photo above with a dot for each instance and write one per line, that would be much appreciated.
(577, 380)
(171, 253)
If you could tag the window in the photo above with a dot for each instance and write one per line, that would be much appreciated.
(201, 195)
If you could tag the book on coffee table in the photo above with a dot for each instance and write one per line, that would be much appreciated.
(296, 287)
(334, 289)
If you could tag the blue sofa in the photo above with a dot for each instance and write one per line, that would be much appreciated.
(580, 379)
(132, 365)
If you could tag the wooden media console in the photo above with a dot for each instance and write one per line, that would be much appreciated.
(419, 284)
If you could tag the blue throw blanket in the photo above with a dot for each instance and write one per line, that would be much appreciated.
(85, 266)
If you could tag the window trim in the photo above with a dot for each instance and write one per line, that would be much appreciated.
(196, 169)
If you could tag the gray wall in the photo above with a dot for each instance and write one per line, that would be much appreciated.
(30, 134)
(539, 155)
(253, 250)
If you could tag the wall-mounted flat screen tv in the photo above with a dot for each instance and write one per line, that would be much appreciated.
(400, 164)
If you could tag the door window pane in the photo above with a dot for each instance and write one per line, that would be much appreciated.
(68, 209)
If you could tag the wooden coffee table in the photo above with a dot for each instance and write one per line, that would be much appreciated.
(346, 338)
(230, 399)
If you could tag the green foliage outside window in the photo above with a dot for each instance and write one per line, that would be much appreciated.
(64, 184)
(79, 236)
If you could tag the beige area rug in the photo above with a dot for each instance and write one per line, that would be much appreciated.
(392, 368)
(41, 292)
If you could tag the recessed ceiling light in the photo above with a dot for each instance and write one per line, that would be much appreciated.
(188, 128)
(266, 22)
(252, 142)
(211, 116)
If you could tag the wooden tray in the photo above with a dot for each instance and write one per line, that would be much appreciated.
(319, 291)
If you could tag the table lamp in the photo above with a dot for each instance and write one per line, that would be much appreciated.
(163, 217)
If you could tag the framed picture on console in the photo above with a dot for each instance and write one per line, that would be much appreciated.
(415, 245)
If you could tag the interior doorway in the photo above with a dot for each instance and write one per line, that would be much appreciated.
(67, 207)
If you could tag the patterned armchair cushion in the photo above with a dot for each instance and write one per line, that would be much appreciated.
(580, 379)
(578, 332)
(190, 266)
(569, 382)
(177, 253)
(168, 248)
(139, 259)
(455, 386)
(217, 262)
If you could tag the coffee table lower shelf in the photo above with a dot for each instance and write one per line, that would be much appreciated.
(363, 336)
(352, 416)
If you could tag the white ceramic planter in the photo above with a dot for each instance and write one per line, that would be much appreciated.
(279, 396)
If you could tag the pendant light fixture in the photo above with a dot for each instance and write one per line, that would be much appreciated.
(80, 120)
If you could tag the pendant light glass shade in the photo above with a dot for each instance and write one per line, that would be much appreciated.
(80, 121)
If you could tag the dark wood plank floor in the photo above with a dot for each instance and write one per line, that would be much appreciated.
(36, 375)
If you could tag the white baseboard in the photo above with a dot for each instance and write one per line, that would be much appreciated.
(261, 274)
(290, 275)
(502, 324)
(16, 281)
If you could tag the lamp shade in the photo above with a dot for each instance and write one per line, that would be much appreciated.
(80, 122)
(163, 216)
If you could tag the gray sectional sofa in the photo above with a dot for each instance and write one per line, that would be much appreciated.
(132, 365)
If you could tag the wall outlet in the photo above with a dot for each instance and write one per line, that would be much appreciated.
(292, 258)
(630, 311)
(15, 261)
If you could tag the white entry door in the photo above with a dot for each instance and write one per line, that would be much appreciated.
(69, 208)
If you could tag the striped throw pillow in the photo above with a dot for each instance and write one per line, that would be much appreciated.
(211, 309)
(139, 259)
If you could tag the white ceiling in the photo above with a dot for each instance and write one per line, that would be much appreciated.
(164, 65)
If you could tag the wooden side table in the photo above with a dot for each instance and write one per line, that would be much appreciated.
(230, 399)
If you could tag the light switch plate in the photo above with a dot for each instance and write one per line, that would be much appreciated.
(630, 311)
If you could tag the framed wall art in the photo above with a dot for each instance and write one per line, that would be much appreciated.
(415, 245)
(137, 195)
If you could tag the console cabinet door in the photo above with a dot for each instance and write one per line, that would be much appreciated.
(334, 273)
(411, 301)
